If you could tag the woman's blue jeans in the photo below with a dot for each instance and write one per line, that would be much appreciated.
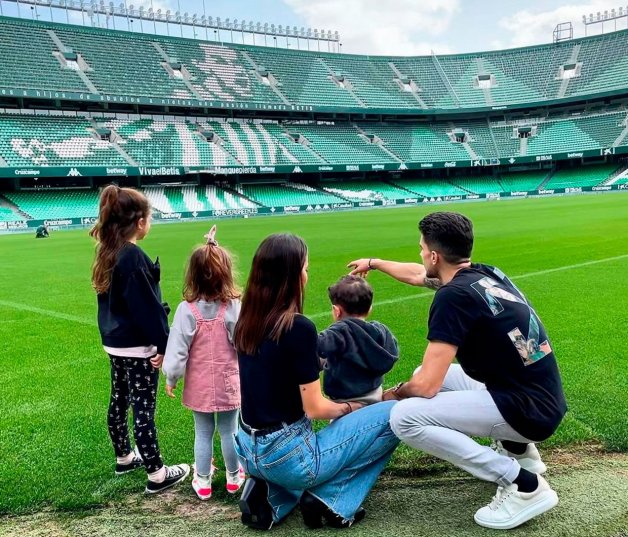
(339, 464)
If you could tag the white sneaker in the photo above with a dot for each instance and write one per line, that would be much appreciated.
(530, 460)
(511, 508)
(202, 485)
(235, 483)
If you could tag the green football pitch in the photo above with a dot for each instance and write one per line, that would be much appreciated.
(569, 255)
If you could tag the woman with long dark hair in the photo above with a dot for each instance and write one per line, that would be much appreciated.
(329, 473)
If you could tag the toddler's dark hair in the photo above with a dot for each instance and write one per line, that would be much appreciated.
(353, 294)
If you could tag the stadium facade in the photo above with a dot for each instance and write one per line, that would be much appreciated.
(213, 129)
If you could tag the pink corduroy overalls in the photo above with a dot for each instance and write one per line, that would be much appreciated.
(212, 378)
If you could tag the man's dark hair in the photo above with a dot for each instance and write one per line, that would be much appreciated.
(353, 294)
(450, 234)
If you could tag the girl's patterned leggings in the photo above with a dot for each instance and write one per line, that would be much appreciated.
(134, 384)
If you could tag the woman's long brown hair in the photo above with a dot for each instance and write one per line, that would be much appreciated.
(119, 212)
(274, 292)
(209, 275)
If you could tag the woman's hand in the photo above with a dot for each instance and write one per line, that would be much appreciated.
(170, 390)
(354, 405)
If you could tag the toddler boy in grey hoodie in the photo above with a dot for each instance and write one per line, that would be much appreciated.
(355, 353)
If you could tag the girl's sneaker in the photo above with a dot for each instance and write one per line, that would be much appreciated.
(202, 485)
(174, 474)
(234, 483)
(135, 463)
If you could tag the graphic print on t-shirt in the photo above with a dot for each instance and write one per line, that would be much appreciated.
(528, 348)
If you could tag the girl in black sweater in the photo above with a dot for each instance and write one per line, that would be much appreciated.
(133, 325)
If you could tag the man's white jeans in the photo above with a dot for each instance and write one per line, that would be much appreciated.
(443, 426)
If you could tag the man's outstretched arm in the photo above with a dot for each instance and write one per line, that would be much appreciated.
(410, 273)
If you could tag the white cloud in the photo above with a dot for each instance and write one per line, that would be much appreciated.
(527, 27)
(381, 26)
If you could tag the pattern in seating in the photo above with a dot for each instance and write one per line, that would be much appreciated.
(219, 72)
(366, 190)
(171, 142)
(53, 141)
(190, 198)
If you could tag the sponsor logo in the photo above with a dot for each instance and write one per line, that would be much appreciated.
(58, 222)
(224, 170)
(622, 187)
(521, 193)
(366, 204)
(3, 225)
(607, 151)
(427, 165)
(575, 155)
(325, 168)
(236, 212)
(542, 158)
(297, 169)
(18, 224)
(74, 173)
(472, 196)
(88, 221)
(604, 187)
(377, 166)
(116, 171)
(453, 198)
(386, 203)
(162, 170)
(449, 165)
(171, 216)
(341, 205)
(292, 209)
(267, 169)
(402, 166)
(499, 107)
(352, 168)
(573, 190)
(411, 200)
(541, 192)
(26, 172)
(492, 196)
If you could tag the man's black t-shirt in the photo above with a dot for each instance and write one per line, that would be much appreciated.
(502, 343)
(269, 380)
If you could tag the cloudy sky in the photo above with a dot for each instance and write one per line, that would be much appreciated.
(393, 26)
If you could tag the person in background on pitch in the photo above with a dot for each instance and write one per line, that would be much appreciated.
(355, 353)
(507, 385)
(133, 326)
(329, 472)
(200, 346)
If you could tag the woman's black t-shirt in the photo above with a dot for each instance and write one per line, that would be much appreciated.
(269, 380)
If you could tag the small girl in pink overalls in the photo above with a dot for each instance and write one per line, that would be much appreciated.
(200, 347)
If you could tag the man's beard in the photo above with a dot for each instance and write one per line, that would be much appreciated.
(431, 272)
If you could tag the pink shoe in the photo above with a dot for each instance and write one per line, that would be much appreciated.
(234, 484)
(203, 485)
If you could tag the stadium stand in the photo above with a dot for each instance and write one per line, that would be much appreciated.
(124, 63)
(287, 194)
(47, 204)
(218, 116)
